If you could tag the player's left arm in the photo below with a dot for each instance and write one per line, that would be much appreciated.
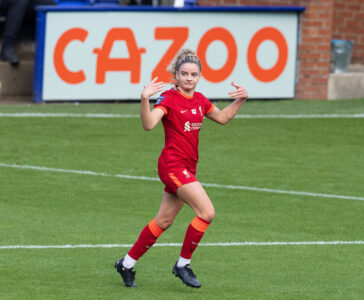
(224, 116)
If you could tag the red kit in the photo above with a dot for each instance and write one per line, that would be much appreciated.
(182, 122)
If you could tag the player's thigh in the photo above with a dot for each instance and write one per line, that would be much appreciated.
(170, 207)
(195, 196)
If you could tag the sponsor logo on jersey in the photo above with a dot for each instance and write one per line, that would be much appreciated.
(196, 126)
(159, 100)
(183, 111)
(192, 126)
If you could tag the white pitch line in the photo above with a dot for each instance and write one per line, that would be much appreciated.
(133, 116)
(213, 185)
(302, 116)
(68, 115)
(230, 244)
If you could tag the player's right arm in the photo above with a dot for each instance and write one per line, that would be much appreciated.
(150, 118)
(227, 114)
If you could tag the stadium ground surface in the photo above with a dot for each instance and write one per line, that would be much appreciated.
(78, 183)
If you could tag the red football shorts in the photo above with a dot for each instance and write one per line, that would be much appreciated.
(175, 175)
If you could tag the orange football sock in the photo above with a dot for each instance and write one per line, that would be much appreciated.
(146, 239)
(193, 236)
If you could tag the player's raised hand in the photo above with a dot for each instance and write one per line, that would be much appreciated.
(239, 93)
(152, 88)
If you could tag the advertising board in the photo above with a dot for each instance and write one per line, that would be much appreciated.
(110, 55)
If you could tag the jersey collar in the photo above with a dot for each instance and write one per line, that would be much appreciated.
(184, 95)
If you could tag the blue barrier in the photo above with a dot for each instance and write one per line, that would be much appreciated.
(190, 3)
(72, 2)
(104, 2)
(86, 2)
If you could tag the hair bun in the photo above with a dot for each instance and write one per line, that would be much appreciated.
(185, 55)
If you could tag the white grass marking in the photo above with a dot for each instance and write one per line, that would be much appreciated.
(68, 115)
(133, 116)
(314, 243)
(302, 116)
(77, 172)
(213, 185)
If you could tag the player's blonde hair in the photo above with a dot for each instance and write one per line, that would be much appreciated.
(185, 55)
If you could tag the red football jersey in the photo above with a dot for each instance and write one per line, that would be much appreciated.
(182, 122)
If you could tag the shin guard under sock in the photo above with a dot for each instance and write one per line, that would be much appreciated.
(146, 239)
(193, 236)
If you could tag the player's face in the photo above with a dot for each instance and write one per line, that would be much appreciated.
(187, 78)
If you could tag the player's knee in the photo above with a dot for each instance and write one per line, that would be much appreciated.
(209, 214)
(164, 223)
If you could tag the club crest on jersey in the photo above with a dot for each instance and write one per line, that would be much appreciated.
(159, 100)
(193, 110)
(186, 173)
(187, 126)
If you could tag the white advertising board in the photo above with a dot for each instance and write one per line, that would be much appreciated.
(111, 55)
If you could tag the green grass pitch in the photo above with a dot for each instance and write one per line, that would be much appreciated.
(311, 155)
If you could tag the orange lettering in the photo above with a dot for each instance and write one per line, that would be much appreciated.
(223, 35)
(267, 75)
(63, 72)
(132, 63)
(179, 36)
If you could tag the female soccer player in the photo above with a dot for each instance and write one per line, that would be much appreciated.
(181, 110)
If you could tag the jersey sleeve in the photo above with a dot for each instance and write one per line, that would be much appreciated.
(162, 103)
(208, 106)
